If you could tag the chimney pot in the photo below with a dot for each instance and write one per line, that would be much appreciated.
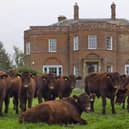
(76, 11)
(61, 18)
(113, 11)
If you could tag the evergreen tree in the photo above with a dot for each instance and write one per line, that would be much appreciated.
(5, 62)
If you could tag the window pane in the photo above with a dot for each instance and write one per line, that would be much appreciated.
(92, 42)
(27, 48)
(52, 45)
(109, 68)
(56, 69)
(109, 43)
(75, 43)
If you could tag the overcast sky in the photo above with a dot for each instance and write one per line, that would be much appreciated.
(17, 15)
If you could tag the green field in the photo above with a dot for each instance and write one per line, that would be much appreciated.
(95, 120)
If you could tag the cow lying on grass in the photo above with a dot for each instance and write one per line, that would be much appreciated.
(64, 111)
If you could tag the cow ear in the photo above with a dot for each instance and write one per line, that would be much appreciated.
(109, 76)
(75, 98)
(65, 78)
(122, 77)
(18, 74)
(4, 76)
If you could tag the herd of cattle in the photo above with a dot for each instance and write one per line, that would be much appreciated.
(66, 109)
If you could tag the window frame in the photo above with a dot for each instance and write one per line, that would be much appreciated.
(92, 42)
(109, 43)
(75, 43)
(111, 68)
(28, 48)
(59, 69)
(52, 45)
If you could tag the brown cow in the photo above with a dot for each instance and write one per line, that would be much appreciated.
(104, 85)
(46, 87)
(3, 89)
(65, 85)
(16, 83)
(42, 84)
(123, 92)
(67, 110)
(26, 91)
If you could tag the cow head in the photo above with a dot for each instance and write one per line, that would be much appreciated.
(120, 96)
(114, 79)
(124, 89)
(83, 101)
(26, 77)
(73, 80)
(51, 81)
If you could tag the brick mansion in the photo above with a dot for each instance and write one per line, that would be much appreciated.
(79, 45)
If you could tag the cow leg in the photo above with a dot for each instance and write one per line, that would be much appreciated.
(123, 105)
(112, 104)
(29, 102)
(92, 104)
(128, 104)
(23, 104)
(1, 104)
(103, 105)
(6, 104)
(16, 104)
(39, 98)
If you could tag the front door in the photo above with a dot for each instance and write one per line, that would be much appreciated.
(92, 67)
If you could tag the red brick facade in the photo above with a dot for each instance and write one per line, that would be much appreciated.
(66, 60)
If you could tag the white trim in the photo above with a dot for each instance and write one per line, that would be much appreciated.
(47, 67)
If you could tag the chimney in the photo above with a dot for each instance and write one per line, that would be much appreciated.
(113, 11)
(76, 12)
(61, 18)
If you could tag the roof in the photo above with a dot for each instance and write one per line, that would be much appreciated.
(68, 22)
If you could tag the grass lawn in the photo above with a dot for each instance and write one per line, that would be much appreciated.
(95, 120)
